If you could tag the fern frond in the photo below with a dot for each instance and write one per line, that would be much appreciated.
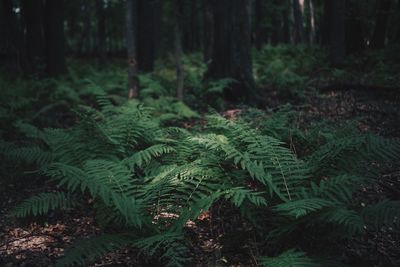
(86, 250)
(302, 207)
(338, 189)
(171, 244)
(350, 220)
(30, 155)
(43, 203)
(239, 194)
(386, 212)
(143, 157)
(289, 258)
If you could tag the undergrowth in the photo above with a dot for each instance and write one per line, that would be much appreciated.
(137, 169)
(293, 187)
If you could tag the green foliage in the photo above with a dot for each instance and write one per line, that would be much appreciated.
(289, 258)
(175, 251)
(287, 68)
(137, 170)
(86, 250)
(43, 203)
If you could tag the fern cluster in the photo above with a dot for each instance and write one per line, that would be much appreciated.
(138, 169)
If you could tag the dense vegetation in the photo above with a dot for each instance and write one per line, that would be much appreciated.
(283, 180)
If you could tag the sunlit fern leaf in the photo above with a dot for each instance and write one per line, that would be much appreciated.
(221, 143)
(265, 157)
(43, 203)
(289, 258)
(146, 155)
(86, 250)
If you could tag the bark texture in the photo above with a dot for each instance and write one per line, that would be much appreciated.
(381, 21)
(131, 23)
(232, 46)
(298, 35)
(55, 40)
(33, 13)
(146, 34)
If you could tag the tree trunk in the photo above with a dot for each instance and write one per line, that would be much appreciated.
(276, 23)
(311, 22)
(381, 20)
(191, 26)
(298, 22)
(178, 49)
(337, 33)
(12, 54)
(35, 45)
(232, 44)
(101, 31)
(286, 27)
(83, 40)
(208, 30)
(131, 23)
(396, 38)
(326, 23)
(146, 33)
(260, 30)
(354, 33)
(55, 40)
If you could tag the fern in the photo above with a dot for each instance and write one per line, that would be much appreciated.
(289, 258)
(302, 207)
(43, 203)
(174, 251)
(86, 250)
(386, 212)
(136, 168)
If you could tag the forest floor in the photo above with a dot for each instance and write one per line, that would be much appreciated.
(218, 238)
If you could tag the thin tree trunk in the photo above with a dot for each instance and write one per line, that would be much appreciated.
(146, 34)
(337, 33)
(208, 30)
(55, 40)
(286, 27)
(101, 31)
(276, 26)
(11, 44)
(86, 31)
(311, 22)
(354, 33)
(178, 49)
(35, 45)
(298, 22)
(232, 47)
(260, 30)
(396, 38)
(131, 15)
(381, 21)
(326, 23)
